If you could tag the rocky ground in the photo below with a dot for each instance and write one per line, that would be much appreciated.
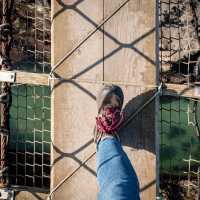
(173, 188)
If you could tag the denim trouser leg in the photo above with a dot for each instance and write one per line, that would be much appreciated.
(115, 174)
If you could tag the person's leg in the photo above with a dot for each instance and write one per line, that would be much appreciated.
(115, 174)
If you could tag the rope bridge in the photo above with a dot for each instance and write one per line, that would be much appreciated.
(6, 39)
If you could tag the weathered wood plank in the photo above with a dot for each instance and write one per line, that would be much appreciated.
(73, 101)
(182, 90)
(130, 48)
(31, 78)
(22, 77)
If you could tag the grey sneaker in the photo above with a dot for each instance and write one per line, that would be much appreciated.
(109, 103)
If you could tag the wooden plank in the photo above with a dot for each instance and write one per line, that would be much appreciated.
(27, 193)
(31, 78)
(22, 77)
(182, 90)
(73, 101)
(130, 48)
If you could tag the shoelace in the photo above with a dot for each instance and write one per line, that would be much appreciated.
(110, 120)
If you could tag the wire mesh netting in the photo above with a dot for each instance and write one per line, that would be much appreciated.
(179, 117)
(31, 36)
(29, 142)
(179, 42)
(29, 119)
(180, 147)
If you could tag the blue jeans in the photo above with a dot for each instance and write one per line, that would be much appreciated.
(115, 174)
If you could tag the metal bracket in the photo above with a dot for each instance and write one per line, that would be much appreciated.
(7, 76)
(6, 194)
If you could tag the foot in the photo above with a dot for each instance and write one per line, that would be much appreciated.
(109, 102)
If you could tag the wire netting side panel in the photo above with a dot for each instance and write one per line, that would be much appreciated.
(179, 147)
(180, 64)
(31, 47)
(29, 143)
(179, 41)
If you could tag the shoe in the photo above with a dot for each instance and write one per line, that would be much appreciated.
(110, 117)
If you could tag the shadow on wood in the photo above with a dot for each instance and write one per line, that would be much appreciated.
(139, 133)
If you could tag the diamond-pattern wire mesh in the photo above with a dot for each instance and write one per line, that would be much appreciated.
(179, 60)
(31, 36)
(29, 140)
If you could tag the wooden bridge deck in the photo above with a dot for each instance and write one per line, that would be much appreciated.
(121, 51)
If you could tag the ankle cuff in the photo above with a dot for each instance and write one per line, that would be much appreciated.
(107, 136)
